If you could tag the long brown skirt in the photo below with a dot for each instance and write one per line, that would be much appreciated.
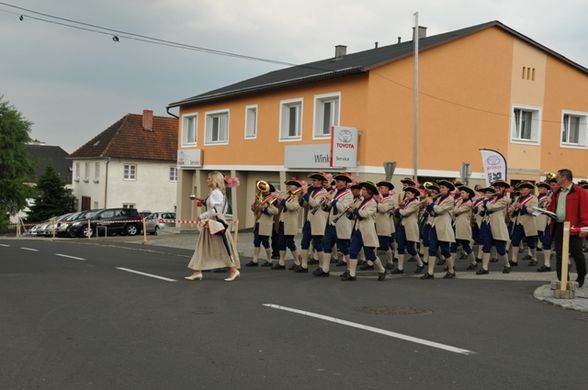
(211, 252)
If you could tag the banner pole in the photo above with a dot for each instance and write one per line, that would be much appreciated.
(565, 247)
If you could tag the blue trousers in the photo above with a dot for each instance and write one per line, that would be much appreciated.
(476, 233)
(425, 231)
(465, 244)
(519, 233)
(330, 239)
(546, 238)
(317, 241)
(435, 244)
(403, 244)
(357, 244)
(285, 241)
(385, 242)
(488, 241)
(259, 240)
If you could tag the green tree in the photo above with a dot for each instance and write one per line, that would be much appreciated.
(52, 198)
(15, 165)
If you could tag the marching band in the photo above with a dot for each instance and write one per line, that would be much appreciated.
(444, 220)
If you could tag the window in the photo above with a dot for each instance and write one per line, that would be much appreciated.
(526, 125)
(326, 114)
(217, 127)
(130, 172)
(173, 174)
(86, 172)
(573, 129)
(96, 172)
(189, 128)
(128, 206)
(291, 119)
(77, 171)
(250, 122)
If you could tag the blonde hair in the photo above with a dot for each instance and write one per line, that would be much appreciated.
(218, 180)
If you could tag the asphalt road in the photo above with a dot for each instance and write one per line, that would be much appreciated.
(68, 323)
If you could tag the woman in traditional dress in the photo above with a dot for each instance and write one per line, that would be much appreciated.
(214, 250)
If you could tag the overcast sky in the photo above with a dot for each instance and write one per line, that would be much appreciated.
(73, 84)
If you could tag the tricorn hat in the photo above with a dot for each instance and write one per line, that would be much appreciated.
(471, 192)
(500, 183)
(543, 184)
(293, 182)
(488, 190)
(408, 180)
(447, 184)
(318, 176)
(385, 184)
(526, 184)
(368, 185)
(415, 191)
(343, 177)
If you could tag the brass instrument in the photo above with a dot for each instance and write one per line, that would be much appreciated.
(261, 187)
(550, 176)
(320, 205)
(346, 211)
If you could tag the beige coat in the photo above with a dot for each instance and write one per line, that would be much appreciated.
(290, 214)
(463, 220)
(542, 219)
(343, 225)
(384, 222)
(478, 218)
(528, 220)
(497, 219)
(266, 220)
(318, 220)
(442, 208)
(409, 219)
(366, 224)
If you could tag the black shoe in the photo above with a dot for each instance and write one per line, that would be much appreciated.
(267, 264)
(390, 266)
(544, 269)
(319, 272)
(396, 271)
(427, 276)
(494, 260)
(527, 257)
(275, 257)
(539, 249)
(580, 282)
(440, 261)
(419, 269)
(381, 276)
(482, 271)
(278, 266)
(348, 278)
(506, 270)
(340, 264)
(472, 267)
(251, 264)
(301, 270)
(293, 267)
(313, 261)
(333, 260)
(532, 263)
(513, 263)
(365, 267)
(449, 275)
(344, 274)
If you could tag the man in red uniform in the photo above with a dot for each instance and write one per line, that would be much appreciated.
(569, 203)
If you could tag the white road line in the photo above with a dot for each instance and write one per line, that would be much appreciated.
(24, 248)
(145, 274)
(401, 336)
(69, 257)
(5, 245)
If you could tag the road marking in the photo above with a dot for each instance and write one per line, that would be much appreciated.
(145, 274)
(24, 248)
(69, 257)
(401, 336)
(5, 245)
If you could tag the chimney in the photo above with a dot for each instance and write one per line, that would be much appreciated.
(148, 120)
(399, 39)
(376, 45)
(340, 51)
(422, 32)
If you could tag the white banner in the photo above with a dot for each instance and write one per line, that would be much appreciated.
(494, 165)
(343, 147)
(306, 156)
(189, 158)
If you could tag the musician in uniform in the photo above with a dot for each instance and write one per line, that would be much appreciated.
(493, 230)
(290, 209)
(407, 233)
(364, 233)
(462, 214)
(264, 211)
(426, 218)
(524, 225)
(542, 222)
(316, 220)
(384, 222)
(441, 234)
(477, 216)
(338, 226)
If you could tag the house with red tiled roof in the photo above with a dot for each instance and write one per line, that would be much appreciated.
(130, 164)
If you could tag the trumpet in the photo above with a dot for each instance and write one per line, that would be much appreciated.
(427, 197)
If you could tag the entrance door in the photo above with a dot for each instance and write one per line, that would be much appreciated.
(86, 202)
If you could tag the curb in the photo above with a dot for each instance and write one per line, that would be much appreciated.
(580, 303)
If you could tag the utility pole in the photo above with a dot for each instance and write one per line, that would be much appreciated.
(415, 96)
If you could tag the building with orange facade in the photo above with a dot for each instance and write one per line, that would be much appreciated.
(486, 86)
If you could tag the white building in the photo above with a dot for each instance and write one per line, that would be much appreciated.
(130, 164)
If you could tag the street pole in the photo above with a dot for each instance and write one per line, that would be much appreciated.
(415, 94)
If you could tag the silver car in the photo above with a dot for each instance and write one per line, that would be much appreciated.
(157, 221)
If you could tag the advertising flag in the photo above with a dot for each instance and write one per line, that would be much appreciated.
(494, 165)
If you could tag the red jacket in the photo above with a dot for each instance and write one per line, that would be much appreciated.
(576, 205)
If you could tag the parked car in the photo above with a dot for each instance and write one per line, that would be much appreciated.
(64, 224)
(111, 221)
(157, 221)
(47, 229)
(79, 226)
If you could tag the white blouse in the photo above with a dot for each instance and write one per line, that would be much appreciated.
(214, 204)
